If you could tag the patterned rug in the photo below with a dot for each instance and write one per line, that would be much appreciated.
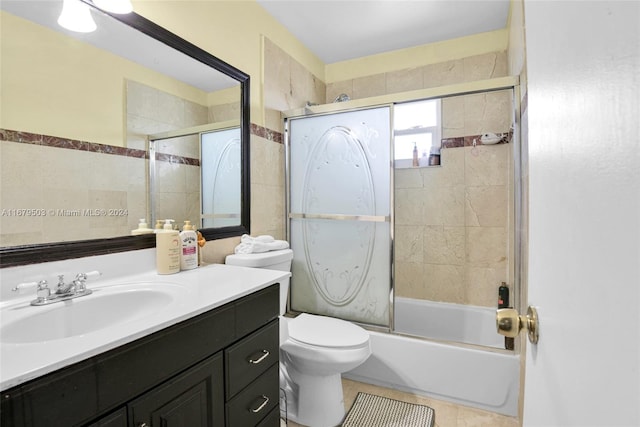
(370, 410)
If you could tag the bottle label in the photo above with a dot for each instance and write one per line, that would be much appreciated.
(188, 250)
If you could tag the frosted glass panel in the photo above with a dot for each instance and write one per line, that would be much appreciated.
(221, 178)
(340, 215)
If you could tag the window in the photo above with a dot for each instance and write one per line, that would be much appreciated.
(416, 124)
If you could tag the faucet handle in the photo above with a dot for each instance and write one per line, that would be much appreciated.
(89, 275)
(43, 292)
(26, 285)
(82, 277)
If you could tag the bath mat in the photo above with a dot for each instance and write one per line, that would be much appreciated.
(370, 410)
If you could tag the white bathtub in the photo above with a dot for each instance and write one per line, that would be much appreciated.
(485, 379)
(447, 322)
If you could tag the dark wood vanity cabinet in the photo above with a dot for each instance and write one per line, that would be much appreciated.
(217, 369)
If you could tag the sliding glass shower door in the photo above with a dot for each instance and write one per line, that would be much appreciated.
(339, 214)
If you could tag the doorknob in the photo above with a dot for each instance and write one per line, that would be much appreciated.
(509, 323)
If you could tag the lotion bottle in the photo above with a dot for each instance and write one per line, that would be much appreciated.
(189, 247)
(167, 249)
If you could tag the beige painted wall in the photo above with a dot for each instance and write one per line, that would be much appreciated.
(46, 77)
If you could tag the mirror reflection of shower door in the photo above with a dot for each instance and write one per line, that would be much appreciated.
(339, 214)
(221, 177)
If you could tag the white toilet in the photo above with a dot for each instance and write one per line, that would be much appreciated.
(314, 352)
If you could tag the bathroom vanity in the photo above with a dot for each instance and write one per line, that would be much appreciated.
(211, 361)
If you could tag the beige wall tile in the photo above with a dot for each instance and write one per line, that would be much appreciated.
(444, 282)
(365, 87)
(267, 162)
(338, 88)
(408, 178)
(485, 66)
(277, 77)
(409, 279)
(215, 251)
(486, 206)
(443, 73)
(481, 285)
(404, 80)
(486, 246)
(267, 210)
(409, 244)
(444, 206)
(409, 207)
(449, 174)
(444, 245)
(453, 117)
(487, 165)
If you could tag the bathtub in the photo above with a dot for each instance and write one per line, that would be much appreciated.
(485, 379)
(447, 322)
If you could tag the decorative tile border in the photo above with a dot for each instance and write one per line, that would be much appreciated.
(468, 141)
(74, 144)
(265, 133)
(70, 144)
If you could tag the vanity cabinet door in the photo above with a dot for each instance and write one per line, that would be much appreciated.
(116, 419)
(194, 398)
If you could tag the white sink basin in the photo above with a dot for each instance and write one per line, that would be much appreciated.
(105, 307)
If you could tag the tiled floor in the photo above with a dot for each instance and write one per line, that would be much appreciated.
(447, 414)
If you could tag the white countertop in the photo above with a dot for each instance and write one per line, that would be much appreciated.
(205, 288)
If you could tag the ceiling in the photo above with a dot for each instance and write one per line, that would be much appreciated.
(339, 30)
(335, 30)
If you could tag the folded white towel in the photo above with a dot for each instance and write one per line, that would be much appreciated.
(257, 246)
(263, 239)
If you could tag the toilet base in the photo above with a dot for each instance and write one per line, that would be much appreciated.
(320, 401)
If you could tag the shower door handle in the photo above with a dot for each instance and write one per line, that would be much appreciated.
(509, 323)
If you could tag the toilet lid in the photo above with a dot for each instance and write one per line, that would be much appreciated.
(326, 331)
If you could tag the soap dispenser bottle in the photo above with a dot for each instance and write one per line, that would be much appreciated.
(143, 228)
(167, 249)
(189, 247)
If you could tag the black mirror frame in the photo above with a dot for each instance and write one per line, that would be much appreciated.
(32, 254)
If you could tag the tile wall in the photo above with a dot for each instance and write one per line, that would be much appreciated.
(453, 222)
(151, 111)
(73, 190)
(78, 190)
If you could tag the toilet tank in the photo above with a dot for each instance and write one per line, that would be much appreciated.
(272, 260)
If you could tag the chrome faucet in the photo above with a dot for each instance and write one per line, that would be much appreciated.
(64, 291)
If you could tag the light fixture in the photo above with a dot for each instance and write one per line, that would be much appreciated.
(114, 6)
(76, 16)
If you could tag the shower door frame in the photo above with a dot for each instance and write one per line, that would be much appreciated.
(512, 83)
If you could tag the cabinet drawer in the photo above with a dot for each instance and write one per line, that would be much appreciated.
(250, 357)
(272, 419)
(257, 309)
(255, 402)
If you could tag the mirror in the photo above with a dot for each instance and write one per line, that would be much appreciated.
(197, 168)
(78, 111)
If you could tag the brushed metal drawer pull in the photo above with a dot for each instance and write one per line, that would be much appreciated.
(262, 405)
(265, 354)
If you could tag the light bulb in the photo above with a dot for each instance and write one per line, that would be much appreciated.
(114, 6)
(76, 16)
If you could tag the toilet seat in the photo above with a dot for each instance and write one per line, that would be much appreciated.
(328, 332)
